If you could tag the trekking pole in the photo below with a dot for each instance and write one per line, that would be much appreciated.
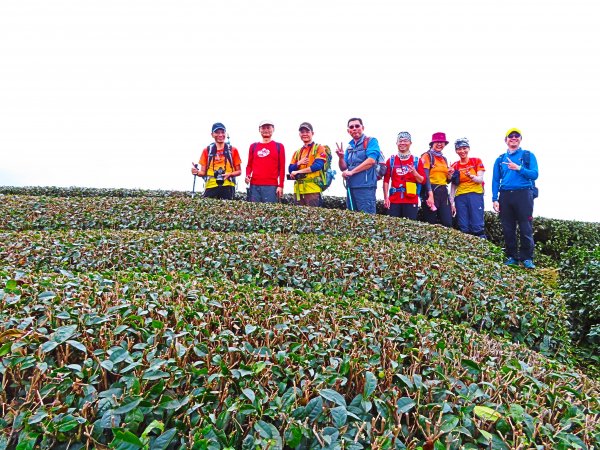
(194, 185)
(349, 196)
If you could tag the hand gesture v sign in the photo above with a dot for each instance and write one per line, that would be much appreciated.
(340, 152)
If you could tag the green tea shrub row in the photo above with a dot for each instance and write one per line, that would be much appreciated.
(131, 360)
(553, 236)
(580, 281)
(140, 213)
(457, 287)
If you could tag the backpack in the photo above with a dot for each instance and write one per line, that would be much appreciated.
(326, 174)
(212, 152)
(380, 166)
(526, 160)
(416, 163)
(526, 163)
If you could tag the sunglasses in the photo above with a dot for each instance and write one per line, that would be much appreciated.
(352, 127)
(514, 135)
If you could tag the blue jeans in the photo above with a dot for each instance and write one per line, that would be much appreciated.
(262, 194)
(516, 209)
(362, 199)
(469, 213)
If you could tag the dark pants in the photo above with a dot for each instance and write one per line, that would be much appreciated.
(469, 213)
(362, 199)
(443, 214)
(407, 210)
(516, 209)
(308, 199)
(262, 194)
(220, 192)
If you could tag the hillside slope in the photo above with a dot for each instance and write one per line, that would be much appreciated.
(175, 323)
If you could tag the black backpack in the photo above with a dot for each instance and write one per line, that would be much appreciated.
(212, 152)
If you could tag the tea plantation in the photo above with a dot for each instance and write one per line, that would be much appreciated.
(150, 320)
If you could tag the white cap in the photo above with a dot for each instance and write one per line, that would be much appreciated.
(266, 122)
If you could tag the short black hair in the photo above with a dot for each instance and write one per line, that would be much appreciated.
(353, 119)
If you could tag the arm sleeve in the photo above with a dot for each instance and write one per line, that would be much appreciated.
(373, 149)
(317, 165)
(388, 172)
(531, 172)
(281, 165)
(204, 157)
(250, 161)
(237, 161)
(292, 167)
(496, 180)
(427, 183)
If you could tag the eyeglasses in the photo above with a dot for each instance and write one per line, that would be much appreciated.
(514, 136)
(352, 127)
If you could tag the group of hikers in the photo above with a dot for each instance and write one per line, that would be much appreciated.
(407, 178)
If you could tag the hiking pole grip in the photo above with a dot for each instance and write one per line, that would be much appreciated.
(194, 184)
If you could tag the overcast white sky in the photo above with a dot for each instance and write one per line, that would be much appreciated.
(120, 93)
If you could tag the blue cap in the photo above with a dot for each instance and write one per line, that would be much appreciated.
(218, 126)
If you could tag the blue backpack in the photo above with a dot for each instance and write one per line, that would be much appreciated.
(402, 189)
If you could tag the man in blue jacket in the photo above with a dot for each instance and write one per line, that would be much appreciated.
(357, 164)
(512, 193)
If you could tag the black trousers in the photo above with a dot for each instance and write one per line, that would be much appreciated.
(220, 192)
(516, 210)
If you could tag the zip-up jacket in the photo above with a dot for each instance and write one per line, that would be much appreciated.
(505, 179)
(355, 154)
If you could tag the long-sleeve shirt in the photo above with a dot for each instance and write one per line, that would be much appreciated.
(505, 179)
(266, 164)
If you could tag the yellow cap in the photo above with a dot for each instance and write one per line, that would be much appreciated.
(513, 130)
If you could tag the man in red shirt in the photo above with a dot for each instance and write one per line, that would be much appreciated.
(265, 172)
(220, 163)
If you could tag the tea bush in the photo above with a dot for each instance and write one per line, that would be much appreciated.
(159, 321)
(135, 360)
(580, 269)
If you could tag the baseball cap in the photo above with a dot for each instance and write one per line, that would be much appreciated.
(513, 130)
(306, 125)
(461, 142)
(218, 126)
(266, 122)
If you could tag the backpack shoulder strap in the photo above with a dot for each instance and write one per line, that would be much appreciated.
(431, 159)
(526, 158)
(366, 142)
(416, 162)
(392, 161)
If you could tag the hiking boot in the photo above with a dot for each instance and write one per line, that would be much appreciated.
(528, 264)
(511, 262)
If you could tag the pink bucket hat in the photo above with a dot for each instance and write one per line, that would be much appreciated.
(439, 137)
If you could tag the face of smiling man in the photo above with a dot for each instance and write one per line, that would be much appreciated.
(355, 129)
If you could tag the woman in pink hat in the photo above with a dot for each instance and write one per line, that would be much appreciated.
(434, 165)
